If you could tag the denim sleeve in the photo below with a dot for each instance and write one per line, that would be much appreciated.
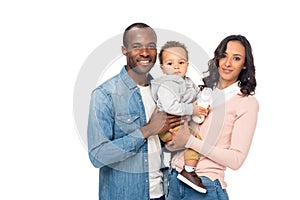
(104, 148)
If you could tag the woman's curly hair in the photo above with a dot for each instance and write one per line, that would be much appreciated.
(247, 80)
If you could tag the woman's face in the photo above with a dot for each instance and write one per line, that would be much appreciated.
(231, 63)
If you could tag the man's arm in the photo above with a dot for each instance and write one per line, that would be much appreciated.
(104, 148)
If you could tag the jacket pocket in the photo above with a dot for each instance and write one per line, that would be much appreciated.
(126, 123)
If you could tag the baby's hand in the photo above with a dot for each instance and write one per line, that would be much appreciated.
(196, 109)
(200, 111)
(203, 111)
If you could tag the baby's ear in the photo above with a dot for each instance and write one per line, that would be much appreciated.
(162, 69)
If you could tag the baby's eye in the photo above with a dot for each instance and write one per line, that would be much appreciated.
(181, 62)
(169, 63)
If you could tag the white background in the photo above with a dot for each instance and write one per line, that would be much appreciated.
(43, 45)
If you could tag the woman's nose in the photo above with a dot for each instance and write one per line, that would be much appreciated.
(227, 62)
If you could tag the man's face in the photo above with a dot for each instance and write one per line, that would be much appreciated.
(141, 50)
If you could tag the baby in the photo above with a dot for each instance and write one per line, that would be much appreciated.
(176, 94)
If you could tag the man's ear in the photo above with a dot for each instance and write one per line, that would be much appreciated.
(124, 51)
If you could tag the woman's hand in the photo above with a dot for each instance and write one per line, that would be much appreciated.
(180, 136)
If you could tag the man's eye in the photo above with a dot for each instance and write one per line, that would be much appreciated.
(136, 46)
(152, 46)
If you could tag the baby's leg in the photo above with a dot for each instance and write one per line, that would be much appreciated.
(167, 136)
(188, 174)
(191, 157)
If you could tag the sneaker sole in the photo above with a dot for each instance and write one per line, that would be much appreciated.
(189, 183)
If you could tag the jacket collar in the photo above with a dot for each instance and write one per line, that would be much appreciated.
(128, 81)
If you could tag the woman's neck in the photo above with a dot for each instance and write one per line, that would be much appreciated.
(224, 84)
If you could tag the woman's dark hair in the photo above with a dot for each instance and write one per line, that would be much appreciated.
(247, 80)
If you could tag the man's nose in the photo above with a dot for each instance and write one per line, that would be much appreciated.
(144, 52)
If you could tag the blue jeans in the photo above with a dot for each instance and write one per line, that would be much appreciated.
(180, 191)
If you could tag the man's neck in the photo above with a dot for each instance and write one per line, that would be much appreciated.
(139, 79)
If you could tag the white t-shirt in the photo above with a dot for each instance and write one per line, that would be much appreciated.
(154, 148)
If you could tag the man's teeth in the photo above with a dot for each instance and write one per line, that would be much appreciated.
(144, 61)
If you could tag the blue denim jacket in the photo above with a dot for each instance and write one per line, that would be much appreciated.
(115, 142)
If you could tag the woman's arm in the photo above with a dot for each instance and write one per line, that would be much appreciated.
(241, 138)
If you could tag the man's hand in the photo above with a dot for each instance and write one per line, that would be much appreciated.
(160, 122)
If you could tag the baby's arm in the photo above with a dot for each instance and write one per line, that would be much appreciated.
(169, 99)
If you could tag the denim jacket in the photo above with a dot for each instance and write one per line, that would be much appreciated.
(115, 142)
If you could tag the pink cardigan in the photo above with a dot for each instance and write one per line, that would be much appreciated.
(227, 134)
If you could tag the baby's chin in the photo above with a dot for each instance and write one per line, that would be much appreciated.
(179, 74)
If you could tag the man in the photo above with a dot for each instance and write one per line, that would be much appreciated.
(124, 123)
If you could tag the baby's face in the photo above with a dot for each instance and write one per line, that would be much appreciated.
(174, 61)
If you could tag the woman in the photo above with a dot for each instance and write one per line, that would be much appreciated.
(229, 127)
